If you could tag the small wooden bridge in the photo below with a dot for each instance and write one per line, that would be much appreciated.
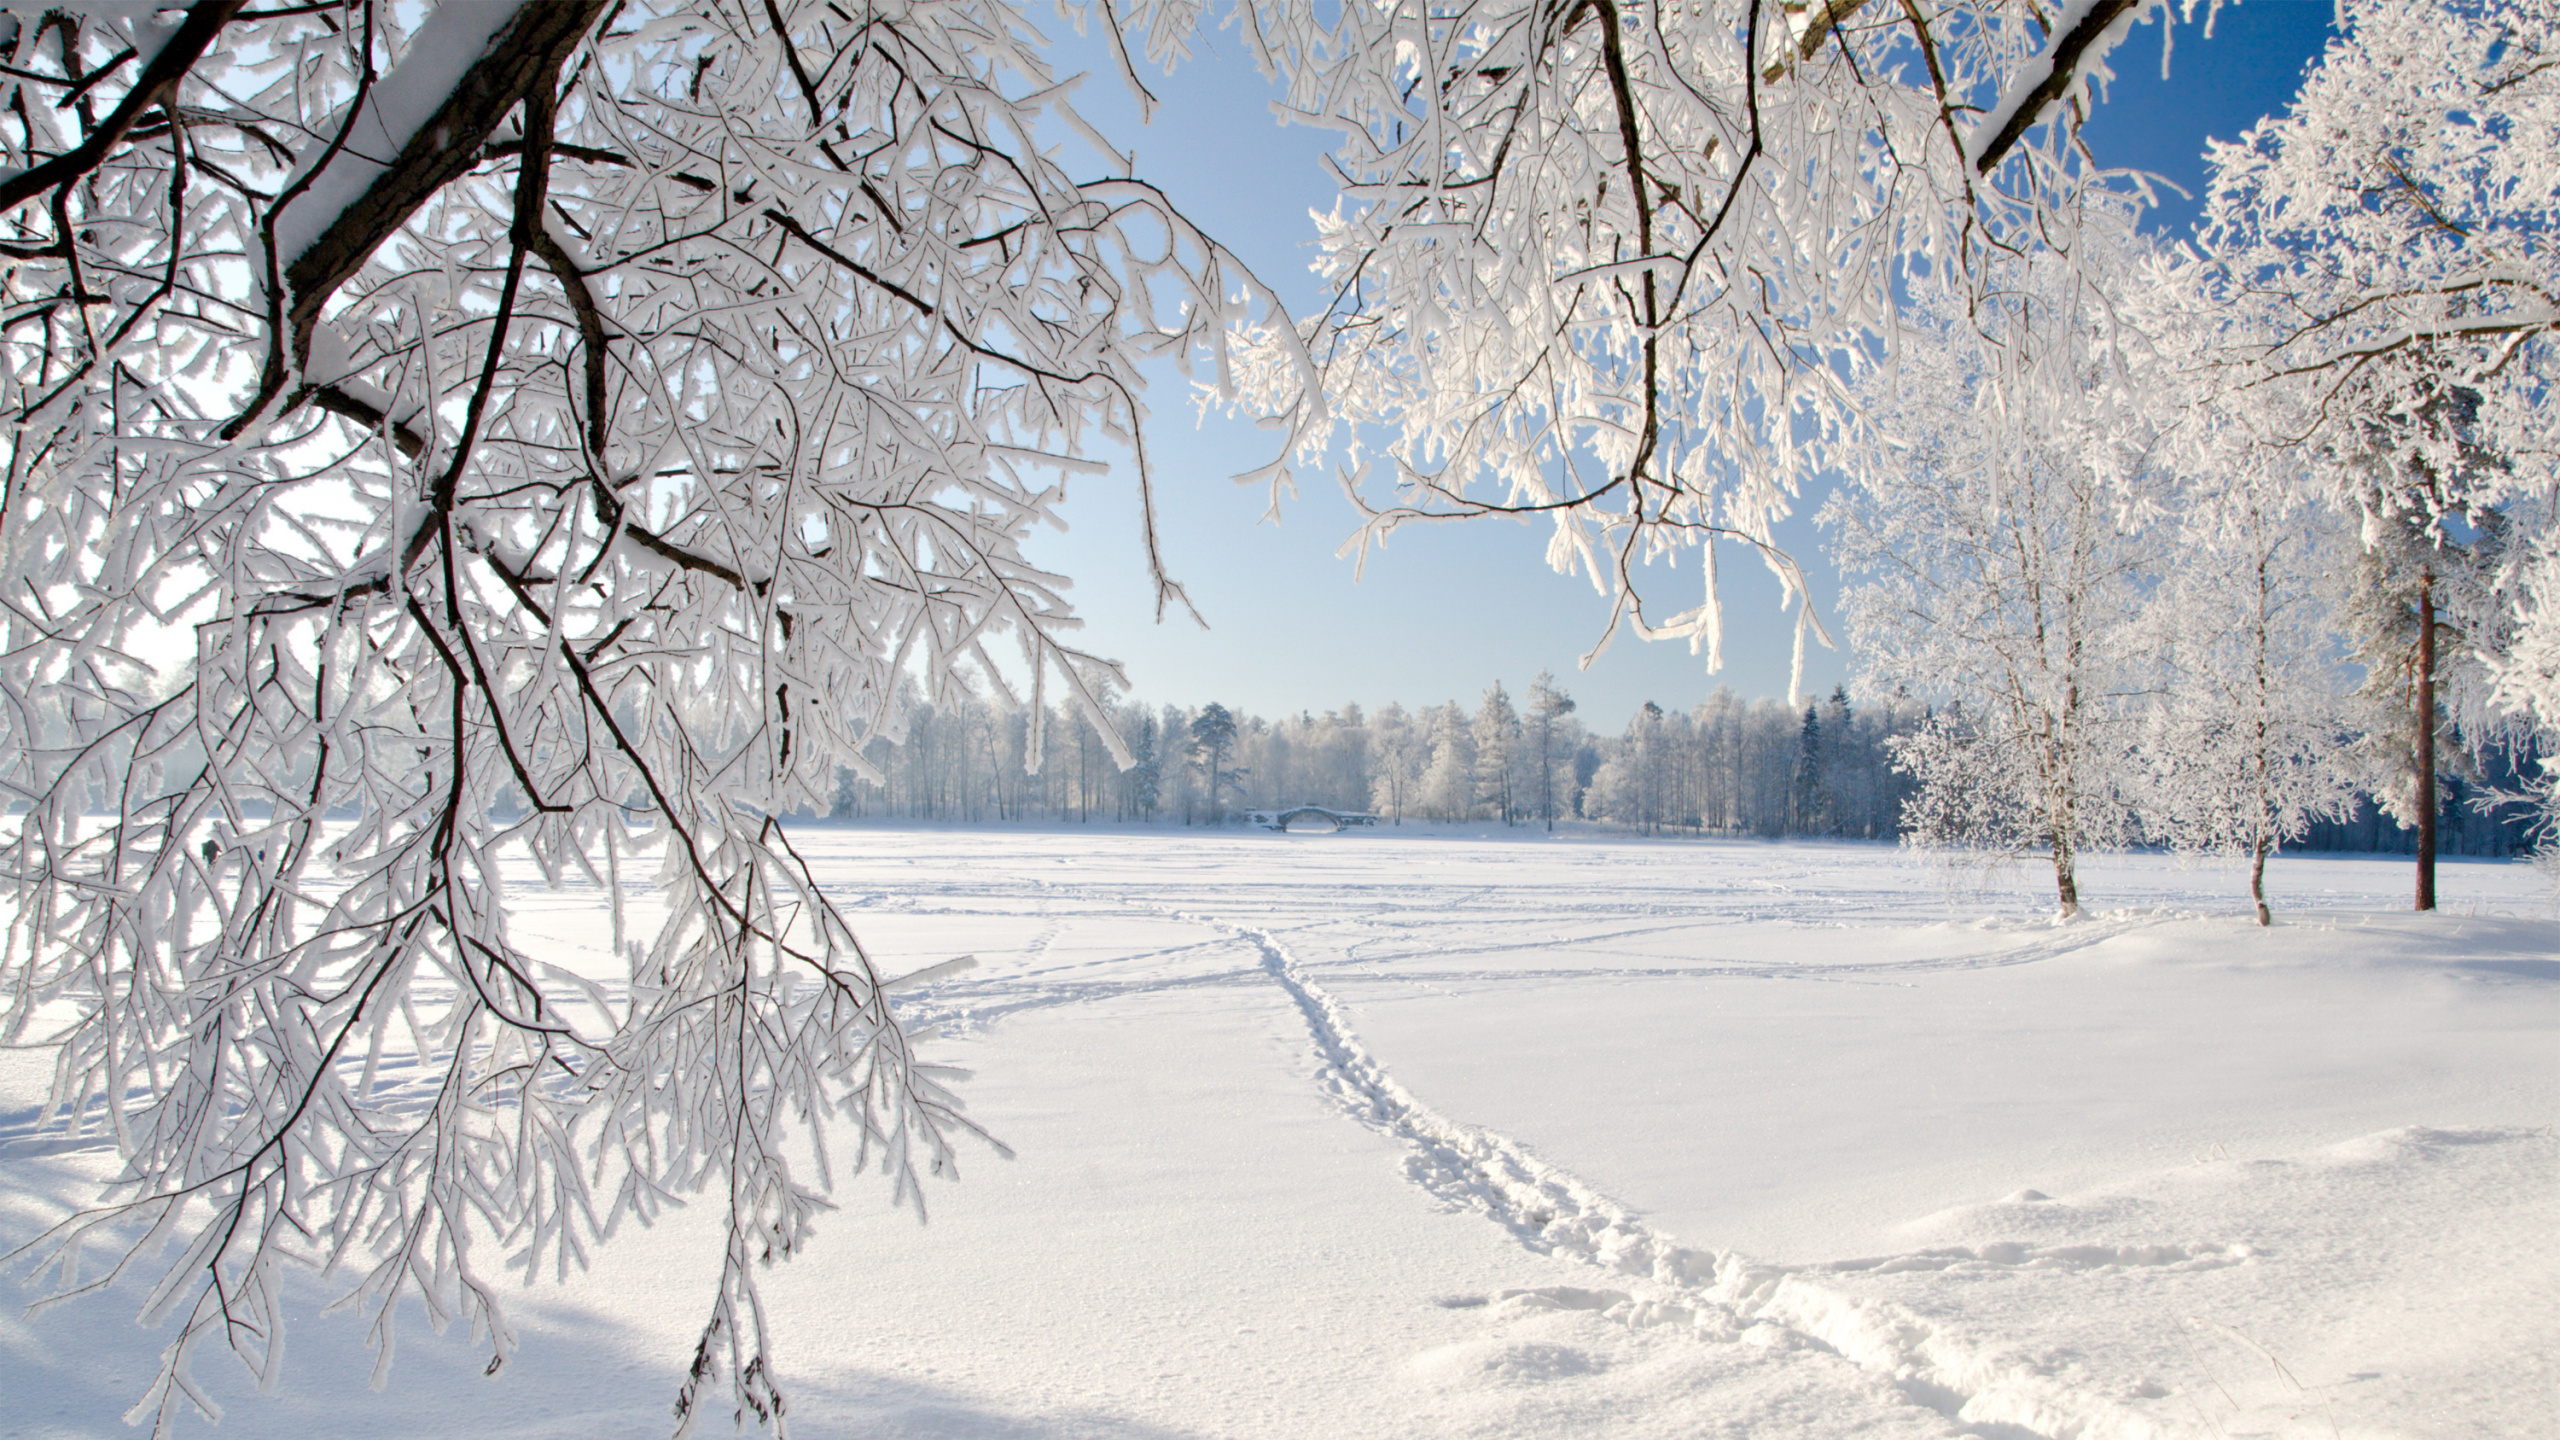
(1283, 819)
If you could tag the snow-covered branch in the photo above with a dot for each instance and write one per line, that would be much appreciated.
(1609, 265)
(458, 438)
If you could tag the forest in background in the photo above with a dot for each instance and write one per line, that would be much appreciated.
(1728, 766)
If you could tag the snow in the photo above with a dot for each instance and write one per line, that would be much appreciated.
(1418, 1132)
(450, 41)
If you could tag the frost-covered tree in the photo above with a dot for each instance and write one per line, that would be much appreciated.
(2380, 297)
(1545, 730)
(2251, 739)
(1448, 787)
(2377, 260)
(1604, 263)
(1635, 786)
(1995, 562)
(1401, 749)
(448, 437)
(1496, 738)
(1346, 759)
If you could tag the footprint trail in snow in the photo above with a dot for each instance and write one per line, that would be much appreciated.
(1718, 1295)
(2094, 1317)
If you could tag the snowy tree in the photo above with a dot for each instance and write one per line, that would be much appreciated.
(1449, 779)
(2380, 293)
(1545, 729)
(544, 430)
(1718, 723)
(1635, 785)
(1333, 752)
(1176, 790)
(1266, 755)
(1401, 750)
(1996, 565)
(2251, 739)
(2377, 260)
(1496, 738)
(1605, 263)
(1213, 739)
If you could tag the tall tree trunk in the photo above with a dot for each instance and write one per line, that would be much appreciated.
(2066, 881)
(2426, 738)
(2262, 698)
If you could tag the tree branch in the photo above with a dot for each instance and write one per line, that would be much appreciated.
(157, 82)
(2064, 63)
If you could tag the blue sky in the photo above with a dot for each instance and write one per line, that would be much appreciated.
(1445, 611)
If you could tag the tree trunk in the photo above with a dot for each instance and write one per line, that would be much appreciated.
(2426, 737)
(2066, 883)
(2258, 880)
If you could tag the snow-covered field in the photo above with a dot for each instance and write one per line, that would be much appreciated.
(1426, 1134)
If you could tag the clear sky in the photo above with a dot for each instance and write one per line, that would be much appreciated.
(1446, 610)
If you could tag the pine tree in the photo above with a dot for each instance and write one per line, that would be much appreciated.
(1213, 736)
(2425, 617)
(1145, 779)
(1810, 810)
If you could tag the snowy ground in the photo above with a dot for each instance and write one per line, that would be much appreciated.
(1413, 1134)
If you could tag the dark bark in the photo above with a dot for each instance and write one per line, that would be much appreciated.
(2426, 741)
(2258, 880)
(157, 82)
(526, 56)
(2067, 55)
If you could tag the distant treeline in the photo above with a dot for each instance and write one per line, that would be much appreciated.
(1728, 766)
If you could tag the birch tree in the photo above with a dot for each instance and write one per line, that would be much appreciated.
(2252, 739)
(2000, 563)
(538, 430)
